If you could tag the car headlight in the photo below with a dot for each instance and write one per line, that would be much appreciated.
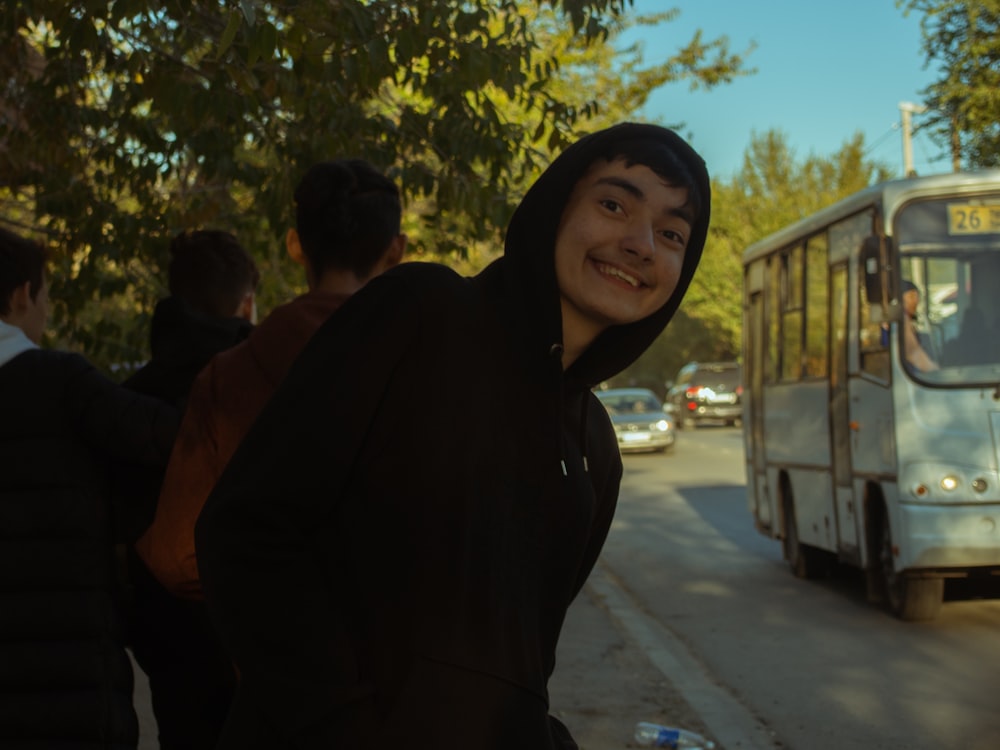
(663, 425)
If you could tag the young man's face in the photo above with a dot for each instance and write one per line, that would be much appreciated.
(619, 248)
(911, 300)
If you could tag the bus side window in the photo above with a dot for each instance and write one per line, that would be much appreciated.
(817, 295)
(791, 314)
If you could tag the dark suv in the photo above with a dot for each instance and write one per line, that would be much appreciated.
(706, 391)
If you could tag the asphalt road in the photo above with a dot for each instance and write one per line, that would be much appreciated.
(813, 662)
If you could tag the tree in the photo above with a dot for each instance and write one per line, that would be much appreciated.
(963, 113)
(603, 82)
(125, 121)
(772, 190)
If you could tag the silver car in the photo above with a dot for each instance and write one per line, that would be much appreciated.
(640, 422)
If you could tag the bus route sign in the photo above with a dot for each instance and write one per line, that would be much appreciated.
(965, 218)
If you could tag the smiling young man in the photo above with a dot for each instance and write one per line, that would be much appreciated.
(619, 250)
(391, 552)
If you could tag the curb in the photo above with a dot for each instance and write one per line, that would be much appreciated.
(729, 722)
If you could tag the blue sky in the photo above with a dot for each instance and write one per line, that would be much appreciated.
(825, 70)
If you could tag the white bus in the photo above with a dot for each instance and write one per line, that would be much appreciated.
(872, 414)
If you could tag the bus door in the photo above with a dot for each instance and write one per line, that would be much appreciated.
(840, 412)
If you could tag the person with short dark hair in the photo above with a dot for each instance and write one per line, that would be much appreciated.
(64, 671)
(916, 355)
(212, 280)
(23, 283)
(391, 551)
(212, 272)
(347, 231)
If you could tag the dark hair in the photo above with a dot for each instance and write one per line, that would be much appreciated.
(211, 271)
(660, 158)
(21, 260)
(346, 214)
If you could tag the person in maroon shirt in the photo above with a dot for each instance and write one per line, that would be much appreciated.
(348, 217)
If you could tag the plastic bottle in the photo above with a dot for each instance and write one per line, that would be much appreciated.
(648, 734)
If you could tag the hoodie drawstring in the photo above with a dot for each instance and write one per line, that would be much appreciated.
(556, 352)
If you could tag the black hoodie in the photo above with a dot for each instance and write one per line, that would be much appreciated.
(181, 341)
(392, 550)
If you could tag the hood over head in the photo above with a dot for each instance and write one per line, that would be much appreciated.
(182, 335)
(529, 250)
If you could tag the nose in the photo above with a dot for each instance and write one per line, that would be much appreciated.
(639, 241)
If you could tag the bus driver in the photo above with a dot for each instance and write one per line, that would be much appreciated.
(916, 356)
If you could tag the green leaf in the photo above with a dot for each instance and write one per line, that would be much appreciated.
(229, 34)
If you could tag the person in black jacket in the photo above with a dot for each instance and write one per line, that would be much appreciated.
(212, 281)
(65, 677)
(390, 554)
(211, 308)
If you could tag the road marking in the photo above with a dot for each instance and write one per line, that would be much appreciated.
(728, 720)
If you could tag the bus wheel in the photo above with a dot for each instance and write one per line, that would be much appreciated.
(804, 560)
(909, 598)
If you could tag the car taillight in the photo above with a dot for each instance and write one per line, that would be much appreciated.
(739, 390)
(692, 392)
(692, 406)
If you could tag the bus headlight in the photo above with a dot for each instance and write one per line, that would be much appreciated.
(950, 483)
(941, 483)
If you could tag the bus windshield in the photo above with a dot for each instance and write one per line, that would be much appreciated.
(950, 294)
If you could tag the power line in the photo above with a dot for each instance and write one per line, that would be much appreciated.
(878, 141)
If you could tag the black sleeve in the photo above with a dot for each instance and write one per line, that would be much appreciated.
(132, 433)
(260, 536)
(115, 421)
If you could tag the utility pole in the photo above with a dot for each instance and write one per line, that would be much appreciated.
(907, 110)
(956, 146)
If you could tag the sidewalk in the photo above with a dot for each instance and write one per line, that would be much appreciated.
(618, 665)
(140, 699)
(604, 682)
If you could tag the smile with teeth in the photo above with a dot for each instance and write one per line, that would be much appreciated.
(618, 274)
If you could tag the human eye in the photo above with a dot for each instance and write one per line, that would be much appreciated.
(611, 205)
(674, 237)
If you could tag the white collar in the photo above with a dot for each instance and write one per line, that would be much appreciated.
(13, 341)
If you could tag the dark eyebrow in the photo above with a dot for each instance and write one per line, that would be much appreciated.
(626, 185)
(682, 212)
